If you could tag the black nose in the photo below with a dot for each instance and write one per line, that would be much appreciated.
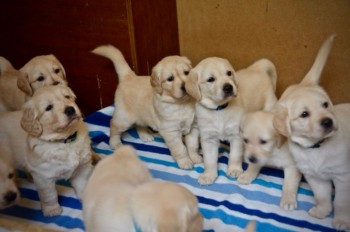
(56, 83)
(183, 88)
(228, 89)
(69, 111)
(252, 159)
(326, 123)
(10, 196)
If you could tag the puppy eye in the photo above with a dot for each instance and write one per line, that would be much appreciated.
(304, 114)
(245, 140)
(186, 72)
(67, 97)
(40, 78)
(49, 107)
(171, 78)
(11, 175)
(211, 79)
(57, 70)
(229, 73)
(262, 141)
(325, 105)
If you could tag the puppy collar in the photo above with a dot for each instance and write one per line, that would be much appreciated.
(316, 145)
(69, 139)
(221, 107)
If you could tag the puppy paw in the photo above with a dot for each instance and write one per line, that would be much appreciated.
(234, 172)
(185, 163)
(51, 210)
(196, 158)
(115, 144)
(288, 202)
(245, 178)
(320, 211)
(341, 223)
(207, 178)
(145, 137)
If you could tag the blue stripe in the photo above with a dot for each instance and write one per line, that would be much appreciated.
(99, 119)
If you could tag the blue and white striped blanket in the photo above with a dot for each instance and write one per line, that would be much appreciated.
(225, 205)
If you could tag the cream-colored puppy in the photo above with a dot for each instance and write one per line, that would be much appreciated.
(264, 146)
(8, 189)
(221, 101)
(158, 101)
(49, 140)
(319, 135)
(17, 86)
(121, 196)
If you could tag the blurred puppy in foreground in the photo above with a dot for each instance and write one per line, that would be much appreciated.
(8, 189)
(121, 196)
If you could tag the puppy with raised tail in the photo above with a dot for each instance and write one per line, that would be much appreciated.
(50, 141)
(222, 97)
(318, 135)
(121, 196)
(17, 86)
(264, 146)
(158, 101)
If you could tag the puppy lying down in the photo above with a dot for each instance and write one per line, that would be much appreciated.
(121, 196)
(50, 141)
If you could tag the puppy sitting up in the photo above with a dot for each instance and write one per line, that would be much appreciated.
(8, 189)
(319, 139)
(264, 146)
(121, 196)
(50, 141)
(158, 101)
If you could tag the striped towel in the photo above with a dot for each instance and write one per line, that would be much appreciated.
(225, 205)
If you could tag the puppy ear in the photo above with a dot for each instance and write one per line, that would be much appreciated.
(29, 122)
(192, 86)
(53, 57)
(280, 140)
(23, 84)
(280, 121)
(155, 81)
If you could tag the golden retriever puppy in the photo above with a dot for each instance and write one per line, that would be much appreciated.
(319, 135)
(121, 196)
(158, 101)
(264, 146)
(8, 189)
(17, 86)
(221, 102)
(50, 141)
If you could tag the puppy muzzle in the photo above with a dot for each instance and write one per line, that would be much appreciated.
(228, 90)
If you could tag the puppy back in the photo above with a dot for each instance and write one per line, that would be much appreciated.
(121, 66)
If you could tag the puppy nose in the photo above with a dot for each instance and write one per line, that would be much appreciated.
(252, 159)
(56, 83)
(10, 196)
(69, 110)
(183, 88)
(326, 123)
(228, 89)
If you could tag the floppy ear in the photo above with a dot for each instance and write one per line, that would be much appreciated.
(155, 81)
(280, 121)
(29, 123)
(23, 84)
(192, 87)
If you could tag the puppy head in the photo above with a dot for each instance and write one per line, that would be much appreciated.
(8, 190)
(168, 78)
(212, 82)
(39, 72)
(259, 137)
(166, 206)
(51, 114)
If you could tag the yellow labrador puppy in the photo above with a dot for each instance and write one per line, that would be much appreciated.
(264, 146)
(49, 140)
(17, 86)
(222, 97)
(158, 101)
(8, 189)
(319, 135)
(121, 196)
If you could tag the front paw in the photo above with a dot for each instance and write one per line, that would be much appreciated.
(145, 137)
(196, 158)
(115, 143)
(320, 211)
(245, 178)
(51, 210)
(288, 202)
(341, 223)
(207, 178)
(234, 171)
(185, 163)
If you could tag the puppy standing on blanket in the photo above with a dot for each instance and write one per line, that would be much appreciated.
(222, 98)
(264, 146)
(53, 144)
(319, 139)
(121, 196)
(159, 101)
(17, 86)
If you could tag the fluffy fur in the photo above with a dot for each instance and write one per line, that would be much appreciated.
(37, 140)
(121, 196)
(319, 135)
(17, 86)
(8, 189)
(221, 101)
(264, 146)
(158, 101)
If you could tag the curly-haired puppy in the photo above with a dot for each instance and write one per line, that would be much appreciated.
(319, 139)
(17, 86)
(158, 101)
(121, 196)
(50, 141)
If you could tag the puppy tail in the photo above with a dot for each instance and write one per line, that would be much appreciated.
(121, 66)
(270, 70)
(4, 65)
(313, 76)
